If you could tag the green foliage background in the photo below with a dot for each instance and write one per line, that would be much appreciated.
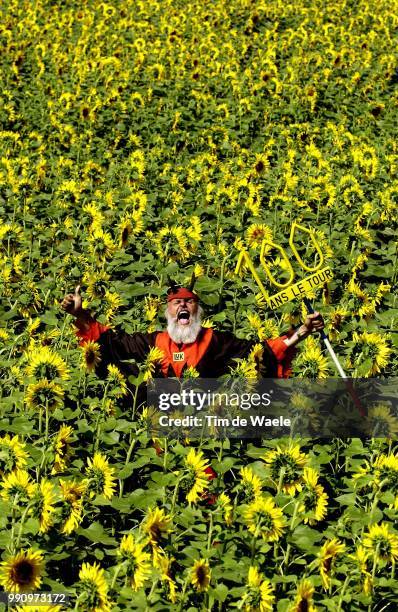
(146, 138)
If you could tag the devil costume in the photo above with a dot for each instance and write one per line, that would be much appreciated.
(212, 354)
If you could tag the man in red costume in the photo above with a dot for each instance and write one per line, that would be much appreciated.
(185, 342)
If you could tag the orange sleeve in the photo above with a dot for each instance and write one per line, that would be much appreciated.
(92, 334)
(284, 355)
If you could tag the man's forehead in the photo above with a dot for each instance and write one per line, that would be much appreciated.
(176, 301)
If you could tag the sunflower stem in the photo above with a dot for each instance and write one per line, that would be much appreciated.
(346, 581)
(375, 557)
(40, 421)
(253, 547)
(22, 524)
(210, 531)
(182, 600)
(14, 505)
(115, 575)
(97, 433)
(130, 450)
(173, 500)
(165, 455)
(47, 423)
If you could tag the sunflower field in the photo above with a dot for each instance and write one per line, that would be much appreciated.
(141, 139)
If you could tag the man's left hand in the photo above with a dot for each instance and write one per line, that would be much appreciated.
(313, 323)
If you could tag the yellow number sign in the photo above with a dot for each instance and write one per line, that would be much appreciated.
(289, 291)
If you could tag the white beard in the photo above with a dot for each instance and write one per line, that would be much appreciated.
(184, 333)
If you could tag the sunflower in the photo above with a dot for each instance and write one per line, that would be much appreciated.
(370, 353)
(165, 576)
(303, 600)
(116, 378)
(191, 371)
(112, 303)
(93, 594)
(12, 454)
(172, 244)
(259, 595)
(44, 364)
(313, 498)
(245, 373)
(251, 485)
(136, 561)
(381, 423)
(151, 308)
(285, 466)
(43, 393)
(196, 481)
(336, 320)
(101, 245)
(268, 331)
(130, 225)
(224, 503)
(154, 357)
(311, 363)
(265, 519)
(97, 284)
(254, 320)
(362, 303)
(303, 412)
(17, 483)
(91, 355)
(21, 573)
(362, 557)
(43, 509)
(386, 474)
(326, 556)
(72, 504)
(101, 480)
(200, 575)
(382, 542)
(62, 448)
(256, 233)
(155, 525)
(11, 235)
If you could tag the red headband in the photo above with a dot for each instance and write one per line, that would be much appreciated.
(182, 293)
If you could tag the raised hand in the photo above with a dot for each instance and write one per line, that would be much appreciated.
(314, 322)
(72, 302)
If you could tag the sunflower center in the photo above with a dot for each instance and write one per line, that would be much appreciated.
(201, 575)
(302, 606)
(90, 356)
(22, 573)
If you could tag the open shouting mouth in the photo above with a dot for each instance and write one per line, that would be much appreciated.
(183, 317)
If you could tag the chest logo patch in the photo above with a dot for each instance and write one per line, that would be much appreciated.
(179, 356)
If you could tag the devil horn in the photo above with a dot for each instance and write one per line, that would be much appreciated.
(172, 283)
(192, 283)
